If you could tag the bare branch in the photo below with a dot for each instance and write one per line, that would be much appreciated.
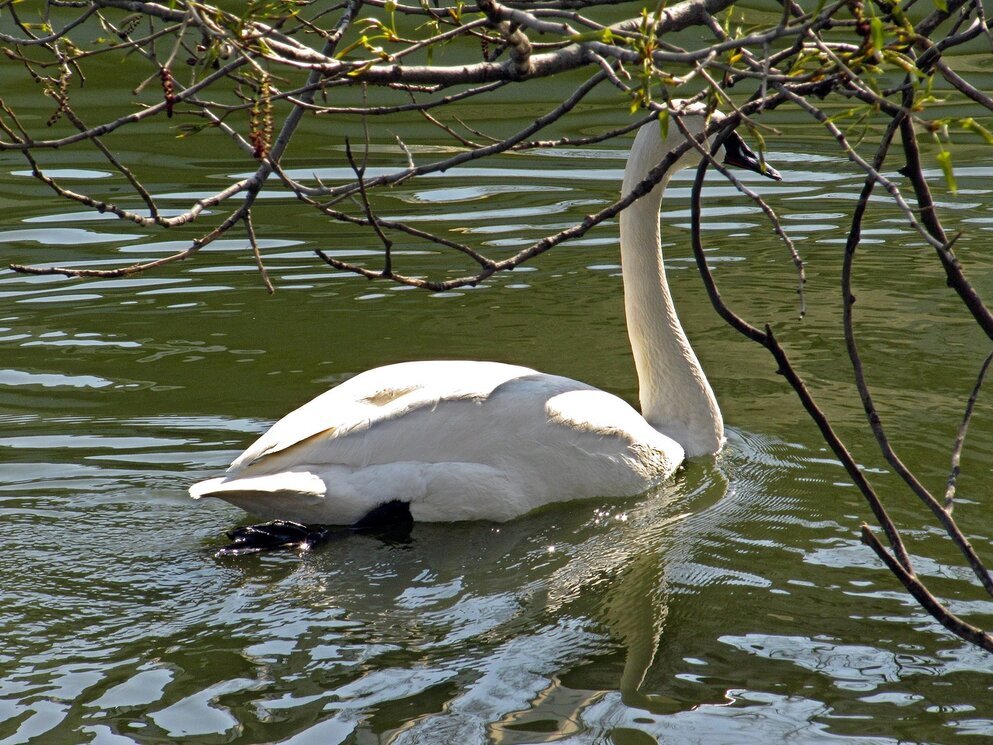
(54, 36)
(949, 262)
(250, 228)
(785, 368)
(370, 216)
(763, 205)
(963, 429)
(923, 596)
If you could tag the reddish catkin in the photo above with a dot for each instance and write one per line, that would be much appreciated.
(129, 25)
(168, 88)
(260, 132)
(59, 90)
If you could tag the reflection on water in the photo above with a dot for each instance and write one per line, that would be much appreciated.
(733, 605)
(579, 620)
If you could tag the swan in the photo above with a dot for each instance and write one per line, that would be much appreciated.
(454, 440)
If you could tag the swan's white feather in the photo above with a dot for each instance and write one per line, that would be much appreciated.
(456, 439)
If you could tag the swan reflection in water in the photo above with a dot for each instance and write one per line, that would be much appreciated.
(470, 629)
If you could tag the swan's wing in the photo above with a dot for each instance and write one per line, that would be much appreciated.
(457, 440)
(370, 400)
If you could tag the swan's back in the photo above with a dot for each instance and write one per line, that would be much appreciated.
(455, 439)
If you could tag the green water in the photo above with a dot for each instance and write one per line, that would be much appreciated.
(733, 605)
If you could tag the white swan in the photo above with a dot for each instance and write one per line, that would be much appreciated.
(458, 440)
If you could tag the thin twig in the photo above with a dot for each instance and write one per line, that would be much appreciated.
(773, 218)
(929, 217)
(359, 170)
(922, 595)
(872, 415)
(440, 166)
(963, 429)
(785, 368)
(250, 228)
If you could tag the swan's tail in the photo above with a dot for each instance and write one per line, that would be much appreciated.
(268, 496)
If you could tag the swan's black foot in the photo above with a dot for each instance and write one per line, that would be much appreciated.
(391, 522)
(253, 539)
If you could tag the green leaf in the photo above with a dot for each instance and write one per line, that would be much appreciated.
(878, 39)
(945, 161)
(589, 36)
(664, 124)
(941, 5)
(972, 125)
(658, 11)
(842, 115)
(759, 139)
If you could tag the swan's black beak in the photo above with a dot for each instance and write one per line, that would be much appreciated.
(737, 153)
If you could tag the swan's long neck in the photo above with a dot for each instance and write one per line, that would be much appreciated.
(676, 398)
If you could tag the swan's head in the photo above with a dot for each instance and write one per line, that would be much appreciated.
(735, 151)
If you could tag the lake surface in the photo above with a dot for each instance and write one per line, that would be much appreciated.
(735, 604)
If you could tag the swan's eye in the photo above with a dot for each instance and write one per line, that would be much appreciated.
(737, 153)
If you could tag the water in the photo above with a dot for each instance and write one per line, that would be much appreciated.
(735, 604)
